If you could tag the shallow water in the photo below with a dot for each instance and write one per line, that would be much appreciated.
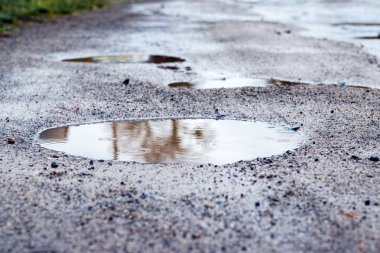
(172, 141)
(232, 83)
(347, 20)
(131, 58)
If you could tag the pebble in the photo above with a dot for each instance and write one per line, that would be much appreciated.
(195, 236)
(126, 81)
(354, 157)
(54, 165)
(374, 159)
(11, 140)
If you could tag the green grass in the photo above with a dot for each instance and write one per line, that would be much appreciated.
(13, 11)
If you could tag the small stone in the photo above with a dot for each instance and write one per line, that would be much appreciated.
(354, 157)
(11, 140)
(54, 165)
(126, 81)
(209, 205)
(367, 202)
(195, 236)
(91, 162)
(374, 159)
(257, 204)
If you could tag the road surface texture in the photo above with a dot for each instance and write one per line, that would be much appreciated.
(322, 197)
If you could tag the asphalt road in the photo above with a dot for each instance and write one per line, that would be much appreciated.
(322, 197)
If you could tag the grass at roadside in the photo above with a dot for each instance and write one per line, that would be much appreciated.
(14, 11)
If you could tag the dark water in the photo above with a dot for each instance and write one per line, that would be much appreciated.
(172, 141)
(370, 37)
(129, 58)
(233, 83)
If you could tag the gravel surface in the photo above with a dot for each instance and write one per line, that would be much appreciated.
(322, 197)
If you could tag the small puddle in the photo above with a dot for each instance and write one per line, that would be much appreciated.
(357, 24)
(233, 83)
(173, 68)
(172, 141)
(129, 58)
(369, 37)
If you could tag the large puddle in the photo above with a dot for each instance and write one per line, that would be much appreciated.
(233, 83)
(172, 141)
(129, 58)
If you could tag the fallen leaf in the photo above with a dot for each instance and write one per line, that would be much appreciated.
(350, 214)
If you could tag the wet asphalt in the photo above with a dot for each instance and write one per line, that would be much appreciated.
(321, 197)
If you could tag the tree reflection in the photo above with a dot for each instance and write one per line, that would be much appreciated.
(156, 145)
(146, 141)
(55, 135)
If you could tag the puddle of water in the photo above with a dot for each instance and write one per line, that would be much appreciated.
(172, 141)
(132, 58)
(233, 83)
(173, 68)
(339, 20)
(356, 24)
(369, 37)
(182, 85)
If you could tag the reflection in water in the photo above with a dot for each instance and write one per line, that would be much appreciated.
(369, 37)
(55, 135)
(233, 83)
(356, 24)
(344, 20)
(182, 85)
(131, 58)
(172, 141)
